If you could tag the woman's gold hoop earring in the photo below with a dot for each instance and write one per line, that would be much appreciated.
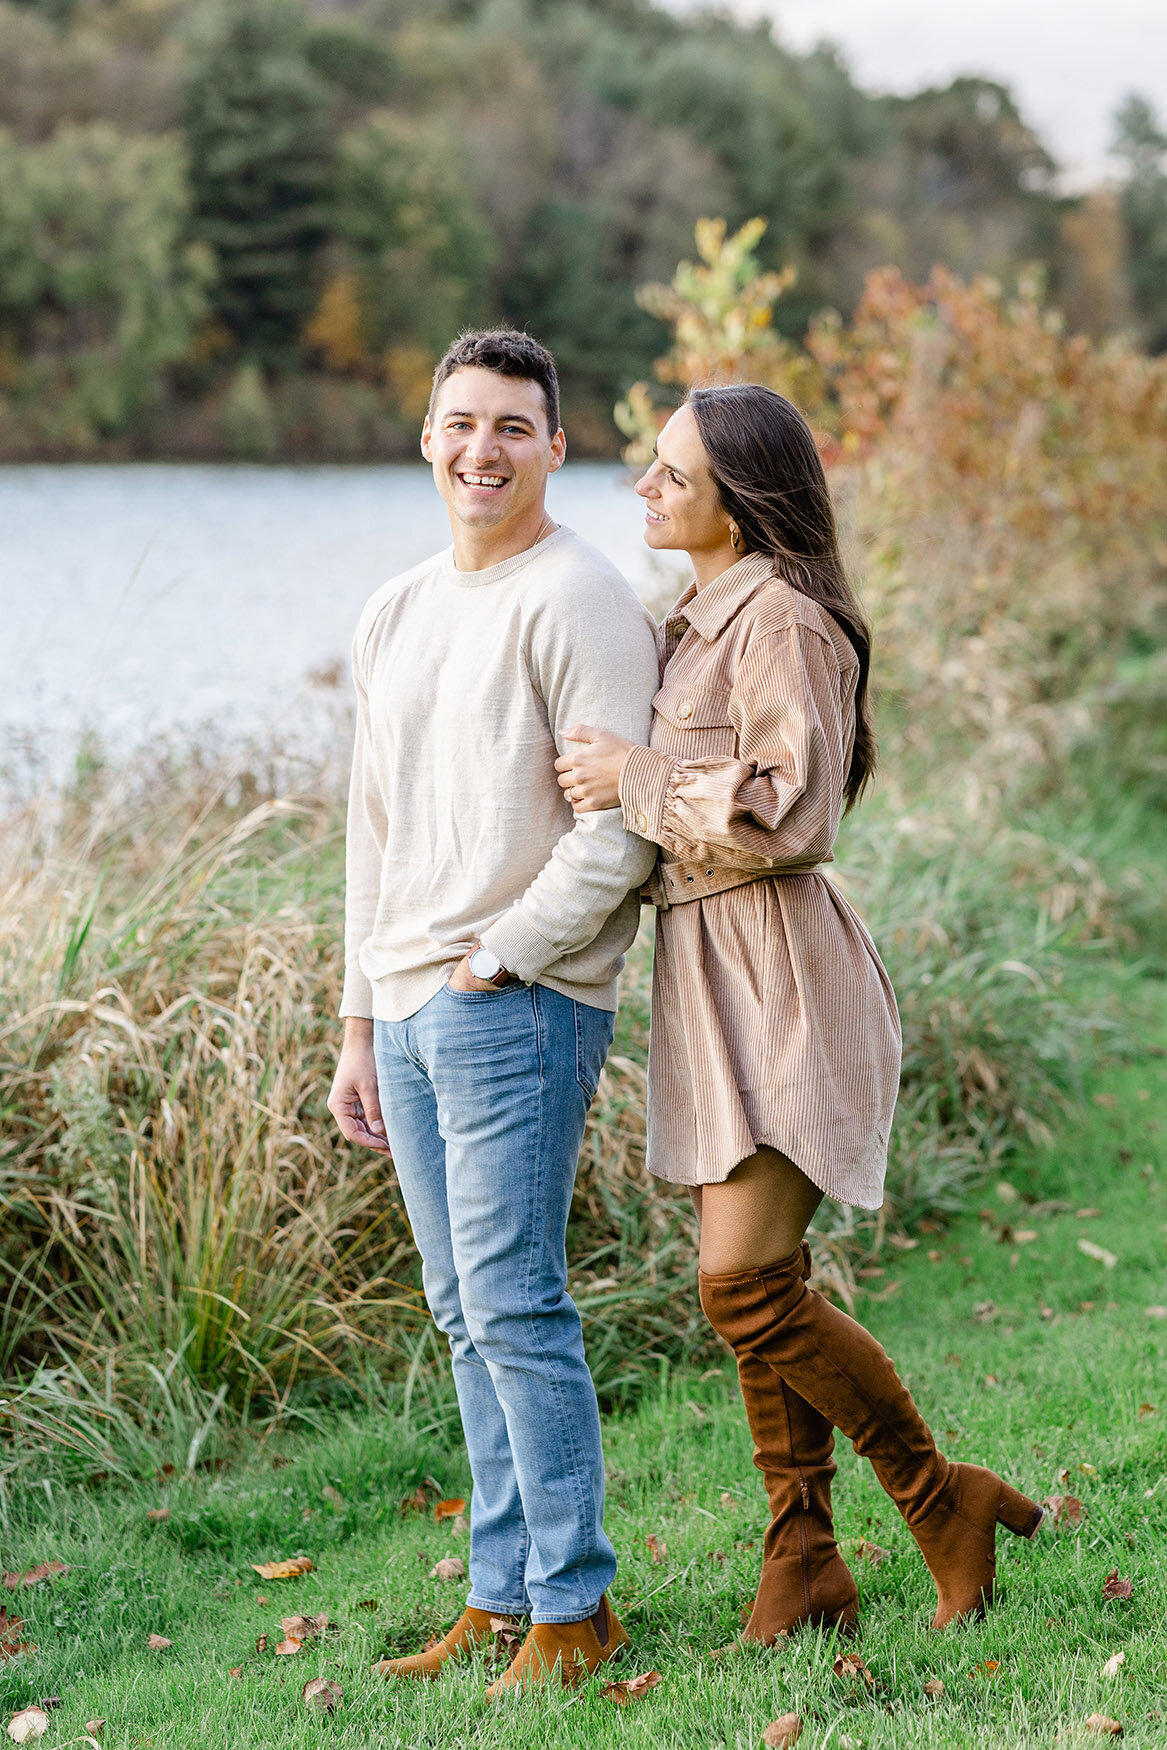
(734, 536)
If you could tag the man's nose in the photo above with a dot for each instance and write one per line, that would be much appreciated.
(483, 445)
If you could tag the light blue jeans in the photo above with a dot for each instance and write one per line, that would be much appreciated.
(484, 1096)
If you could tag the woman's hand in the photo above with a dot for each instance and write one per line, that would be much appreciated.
(590, 779)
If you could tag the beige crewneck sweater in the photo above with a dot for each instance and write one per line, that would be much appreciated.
(457, 828)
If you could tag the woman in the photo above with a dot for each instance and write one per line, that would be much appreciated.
(775, 1045)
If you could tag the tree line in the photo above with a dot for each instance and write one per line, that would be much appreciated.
(247, 227)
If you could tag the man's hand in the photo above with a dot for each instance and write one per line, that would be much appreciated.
(590, 779)
(354, 1101)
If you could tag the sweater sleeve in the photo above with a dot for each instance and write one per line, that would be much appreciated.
(365, 837)
(779, 801)
(590, 649)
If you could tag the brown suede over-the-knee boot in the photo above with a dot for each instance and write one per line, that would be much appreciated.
(952, 1510)
(804, 1578)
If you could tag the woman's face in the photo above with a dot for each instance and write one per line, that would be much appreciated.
(681, 503)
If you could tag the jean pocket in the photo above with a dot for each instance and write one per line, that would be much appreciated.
(482, 996)
(593, 1041)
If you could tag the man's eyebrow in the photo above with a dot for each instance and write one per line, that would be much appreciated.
(501, 419)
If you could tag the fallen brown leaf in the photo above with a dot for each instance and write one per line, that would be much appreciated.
(261, 1643)
(261, 1597)
(851, 1666)
(1100, 1723)
(934, 1687)
(450, 1509)
(1098, 1253)
(11, 1646)
(287, 1648)
(1114, 1665)
(50, 1703)
(1064, 1509)
(235, 1671)
(871, 1552)
(368, 1604)
(302, 1628)
(29, 1723)
(289, 1570)
(988, 1666)
(1147, 1410)
(321, 1696)
(34, 1576)
(728, 1501)
(458, 1523)
(164, 1471)
(158, 1514)
(785, 1730)
(157, 1642)
(1115, 1587)
(632, 1689)
(449, 1568)
(415, 1503)
(95, 1728)
(656, 1546)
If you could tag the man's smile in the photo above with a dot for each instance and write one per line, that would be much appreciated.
(491, 482)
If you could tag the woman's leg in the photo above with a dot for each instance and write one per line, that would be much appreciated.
(758, 1214)
(763, 1308)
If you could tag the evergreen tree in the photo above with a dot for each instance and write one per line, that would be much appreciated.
(1142, 142)
(257, 124)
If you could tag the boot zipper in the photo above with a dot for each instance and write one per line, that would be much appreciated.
(804, 1543)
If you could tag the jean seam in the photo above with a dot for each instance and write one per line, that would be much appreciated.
(533, 1323)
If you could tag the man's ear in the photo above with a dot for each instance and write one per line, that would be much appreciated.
(558, 451)
(425, 439)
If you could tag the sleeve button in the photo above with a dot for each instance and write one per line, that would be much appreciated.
(642, 823)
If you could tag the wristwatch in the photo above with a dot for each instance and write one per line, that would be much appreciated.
(489, 968)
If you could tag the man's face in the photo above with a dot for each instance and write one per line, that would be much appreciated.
(490, 448)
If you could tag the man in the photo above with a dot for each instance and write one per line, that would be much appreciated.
(485, 926)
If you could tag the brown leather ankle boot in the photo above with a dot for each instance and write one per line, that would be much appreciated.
(952, 1510)
(471, 1630)
(804, 1578)
(562, 1653)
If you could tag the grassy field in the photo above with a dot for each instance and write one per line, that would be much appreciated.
(1026, 1352)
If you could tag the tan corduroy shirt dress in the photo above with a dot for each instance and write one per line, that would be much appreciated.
(773, 1021)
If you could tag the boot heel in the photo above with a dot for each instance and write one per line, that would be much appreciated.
(1017, 1513)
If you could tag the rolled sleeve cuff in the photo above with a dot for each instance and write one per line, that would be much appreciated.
(644, 786)
(519, 946)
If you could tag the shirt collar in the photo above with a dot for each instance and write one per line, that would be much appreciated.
(710, 610)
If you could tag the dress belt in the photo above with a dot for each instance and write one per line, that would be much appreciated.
(675, 883)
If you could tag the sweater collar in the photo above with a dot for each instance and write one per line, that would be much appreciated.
(710, 610)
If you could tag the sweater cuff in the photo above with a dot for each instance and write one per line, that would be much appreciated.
(519, 946)
(356, 998)
(644, 785)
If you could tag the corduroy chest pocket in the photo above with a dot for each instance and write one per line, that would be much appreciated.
(692, 722)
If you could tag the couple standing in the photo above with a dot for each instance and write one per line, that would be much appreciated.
(526, 760)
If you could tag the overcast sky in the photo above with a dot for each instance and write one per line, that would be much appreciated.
(1069, 62)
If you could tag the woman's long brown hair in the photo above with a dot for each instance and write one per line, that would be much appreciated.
(764, 463)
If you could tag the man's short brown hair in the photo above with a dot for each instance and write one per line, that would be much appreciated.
(510, 353)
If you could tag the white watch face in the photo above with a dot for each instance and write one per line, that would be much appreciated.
(484, 964)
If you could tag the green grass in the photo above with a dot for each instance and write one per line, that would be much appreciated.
(1051, 1377)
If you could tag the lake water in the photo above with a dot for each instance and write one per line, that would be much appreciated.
(139, 600)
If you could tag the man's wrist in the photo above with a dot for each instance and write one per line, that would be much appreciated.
(486, 966)
(357, 1029)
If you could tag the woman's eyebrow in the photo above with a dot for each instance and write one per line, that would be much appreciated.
(670, 466)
